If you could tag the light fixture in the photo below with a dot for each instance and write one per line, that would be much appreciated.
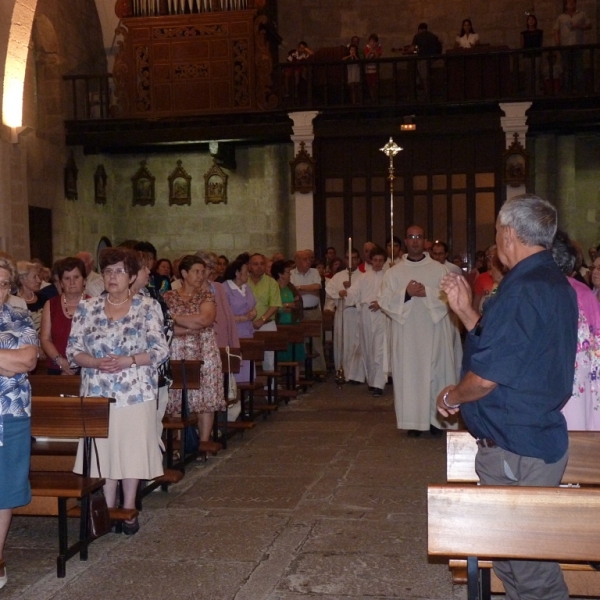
(408, 123)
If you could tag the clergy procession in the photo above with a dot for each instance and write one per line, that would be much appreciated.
(392, 324)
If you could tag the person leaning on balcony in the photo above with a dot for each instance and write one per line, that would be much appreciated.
(467, 38)
(570, 25)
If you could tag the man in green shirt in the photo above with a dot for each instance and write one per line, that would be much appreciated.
(268, 300)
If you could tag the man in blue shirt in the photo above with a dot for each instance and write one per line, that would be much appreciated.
(518, 372)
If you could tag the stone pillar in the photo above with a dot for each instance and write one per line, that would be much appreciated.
(304, 203)
(514, 121)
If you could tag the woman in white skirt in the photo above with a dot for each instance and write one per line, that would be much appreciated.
(118, 340)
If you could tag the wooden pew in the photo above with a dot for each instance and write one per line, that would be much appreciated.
(582, 469)
(252, 350)
(296, 334)
(274, 341)
(55, 492)
(312, 329)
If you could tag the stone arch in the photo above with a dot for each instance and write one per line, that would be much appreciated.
(16, 61)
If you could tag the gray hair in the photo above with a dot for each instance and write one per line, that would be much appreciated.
(8, 264)
(24, 266)
(564, 253)
(533, 219)
(208, 258)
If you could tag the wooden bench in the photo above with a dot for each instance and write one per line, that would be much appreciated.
(186, 376)
(54, 493)
(583, 469)
(274, 341)
(296, 334)
(252, 350)
(312, 329)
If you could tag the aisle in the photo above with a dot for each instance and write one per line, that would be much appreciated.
(326, 499)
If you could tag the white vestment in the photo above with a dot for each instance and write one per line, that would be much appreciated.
(374, 327)
(423, 357)
(352, 360)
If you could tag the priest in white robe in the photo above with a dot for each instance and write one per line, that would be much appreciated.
(423, 359)
(351, 361)
(374, 325)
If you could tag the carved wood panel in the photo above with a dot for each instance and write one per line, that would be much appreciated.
(190, 64)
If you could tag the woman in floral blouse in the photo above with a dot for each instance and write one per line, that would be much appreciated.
(118, 340)
(18, 355)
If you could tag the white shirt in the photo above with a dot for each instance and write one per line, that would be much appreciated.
(453, 268)
(234, 286)
(564, 24)
(468, 40)
(94, 285)
(17, 302)
(311, 277)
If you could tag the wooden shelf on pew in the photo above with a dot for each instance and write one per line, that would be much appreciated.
(116, 514)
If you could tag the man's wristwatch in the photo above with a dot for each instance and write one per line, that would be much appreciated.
(134, 364)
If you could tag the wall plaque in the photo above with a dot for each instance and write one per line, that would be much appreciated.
(215, 185)
(180, 186)
(143, 186)
(303, 172)
(100, 185)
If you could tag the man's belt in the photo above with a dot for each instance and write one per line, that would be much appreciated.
(487, 443)
(311, 307)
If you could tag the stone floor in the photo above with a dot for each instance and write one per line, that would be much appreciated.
(326, 499)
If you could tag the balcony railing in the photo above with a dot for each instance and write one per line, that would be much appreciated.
(460, 77)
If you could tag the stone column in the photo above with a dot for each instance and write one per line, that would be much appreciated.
(304, 203)
(514, 121)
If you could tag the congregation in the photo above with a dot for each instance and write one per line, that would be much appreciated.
(120, 327)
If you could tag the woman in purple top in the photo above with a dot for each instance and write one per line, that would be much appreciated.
(242, 303)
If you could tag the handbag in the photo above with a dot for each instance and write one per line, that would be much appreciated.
(232, 384)
(192, 437)
(98, 518)
(234, 406)
(99, 523)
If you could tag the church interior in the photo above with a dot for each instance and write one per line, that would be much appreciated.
(181, 122)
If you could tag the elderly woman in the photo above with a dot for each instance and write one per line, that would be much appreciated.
(225, 325)
(142, 286)
(18, 354)
(242, 302)
(581, 409)
(29, 284)
(595, 270)
(118, 341)
(290, 311)
(194, 311)
(57, 314)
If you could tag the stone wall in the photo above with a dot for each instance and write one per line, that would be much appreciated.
(256, 217)
(324, 23)
(566, 171)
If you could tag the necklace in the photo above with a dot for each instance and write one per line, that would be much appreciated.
(117, 303)
(28, 300)
(66, 306)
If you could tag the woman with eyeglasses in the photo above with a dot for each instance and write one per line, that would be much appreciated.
(118, 341)
(18, 355)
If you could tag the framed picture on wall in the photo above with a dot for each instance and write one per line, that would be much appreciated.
(100, 185)
(143, 186)
(516, 164)
(302, 172)
(180, 186)
(215, 185)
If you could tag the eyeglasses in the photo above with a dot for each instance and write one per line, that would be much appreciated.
(5, 285)
(113, 272)
(417, 236)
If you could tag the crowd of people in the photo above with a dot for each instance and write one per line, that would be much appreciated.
(568, 30)
(401, 314)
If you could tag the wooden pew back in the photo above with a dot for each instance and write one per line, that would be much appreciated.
(583, 466)
(55, 416)
(55, 385)
(514, 522)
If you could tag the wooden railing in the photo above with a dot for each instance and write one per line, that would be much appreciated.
(460, 77)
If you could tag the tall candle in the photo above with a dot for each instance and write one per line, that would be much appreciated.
(349, 253)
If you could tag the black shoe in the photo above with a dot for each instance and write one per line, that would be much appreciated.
(414, 433)
(371, 388)
(435, 431)
(131, 528)
(377, 392)
(354, 382)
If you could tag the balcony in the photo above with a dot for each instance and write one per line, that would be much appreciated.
(553, 78)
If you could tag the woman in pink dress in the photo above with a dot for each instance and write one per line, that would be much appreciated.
(582, 410)
(193, 311)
